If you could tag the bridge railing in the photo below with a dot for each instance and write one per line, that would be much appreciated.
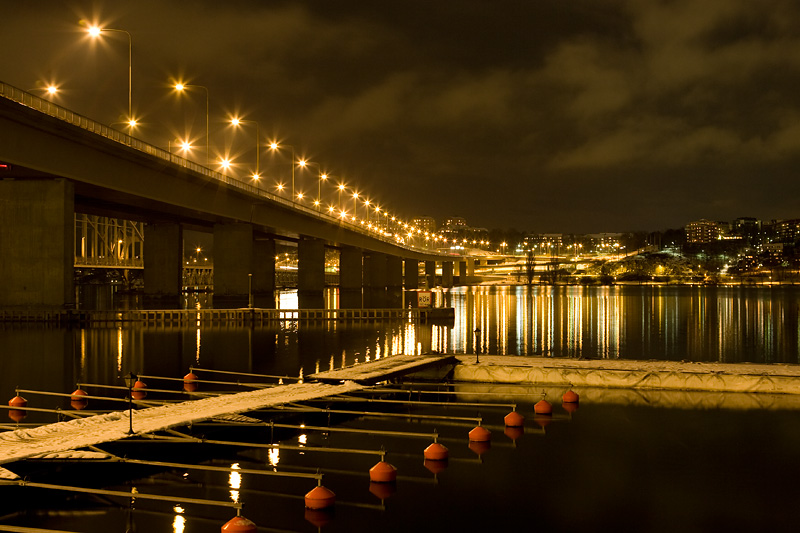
(54, 110)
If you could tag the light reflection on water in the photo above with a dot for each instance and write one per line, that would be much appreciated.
(633, 322)
(629, 322)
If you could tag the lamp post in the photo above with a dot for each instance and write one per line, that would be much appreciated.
(355, 205)
(237, 121)
(275, 146)
(180, 87)
(322, 176)
(130, 379)
(95, 32)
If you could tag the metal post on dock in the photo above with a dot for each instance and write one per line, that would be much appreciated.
(130, 379)
(250, 291)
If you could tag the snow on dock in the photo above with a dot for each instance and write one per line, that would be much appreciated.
(79, 433)
(385, 368)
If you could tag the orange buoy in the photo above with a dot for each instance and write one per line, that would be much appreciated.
(383, 472)
(77, 401)
(514, 419)
(320, 498)
(481, 447)
(435, 452)
(435, 466)
(514, 432)
(543, 407)
(480, 434)
(239, 524)
(17, 401)
(570, 397)
(570, 407)
(382, 490)
(319, 517)
(139, 392)
(189, 382)
(17, 415)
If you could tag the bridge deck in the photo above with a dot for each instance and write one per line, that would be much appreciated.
(385, 368)
(75, 434)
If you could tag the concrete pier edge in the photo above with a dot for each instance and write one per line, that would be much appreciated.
(629, 374)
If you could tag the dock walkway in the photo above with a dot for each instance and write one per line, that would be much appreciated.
(75, 434)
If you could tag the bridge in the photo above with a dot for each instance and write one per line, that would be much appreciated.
(55, 163)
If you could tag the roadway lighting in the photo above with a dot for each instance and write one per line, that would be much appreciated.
(95, 32)
(299, 196)
(180, 87)
(236, 121)
(279, 187)
(355, 205)
(225, 163)
(275, 146)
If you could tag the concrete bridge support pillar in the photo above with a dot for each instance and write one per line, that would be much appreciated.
(37, 243)
(351, 272)
(163, 265)
(394, 282)
(375, 280)
(310, 273)
(430, 273)
(447, 274)
(264, 273)
(411, 267)
(462, 272)
(233, 262)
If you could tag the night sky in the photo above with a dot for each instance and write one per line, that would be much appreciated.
(542, 115)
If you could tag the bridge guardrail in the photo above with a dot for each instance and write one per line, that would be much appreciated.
(54, 110)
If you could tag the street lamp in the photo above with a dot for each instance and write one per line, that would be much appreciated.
(355, 205)
(236, 122)
(180, 87)
(275, 146)
(322, 176)
(95, 32)
(130, 379)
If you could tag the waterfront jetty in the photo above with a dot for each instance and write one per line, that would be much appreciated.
(629, 374)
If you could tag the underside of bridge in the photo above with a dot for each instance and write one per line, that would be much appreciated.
(55, 163)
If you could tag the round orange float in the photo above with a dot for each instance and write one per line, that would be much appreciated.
(139, 391)
(239, 524)
(383, 472)
(514, 419)
(189, 382)
(17, 401)
(570, 397)
(480, 434)
(77, 400)
(320, 498)
(436, 452)
(543, 407)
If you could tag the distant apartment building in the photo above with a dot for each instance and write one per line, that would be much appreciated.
(786, 231)
(455, 228)
(702, 231)
(425, 224)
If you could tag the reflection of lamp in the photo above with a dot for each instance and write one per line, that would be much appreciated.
(130, 379)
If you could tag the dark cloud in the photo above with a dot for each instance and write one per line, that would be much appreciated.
(548, 115)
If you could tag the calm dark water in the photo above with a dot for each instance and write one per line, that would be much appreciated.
(653, 465)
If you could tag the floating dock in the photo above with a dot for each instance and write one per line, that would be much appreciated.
(93, 430)
(629, 374)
